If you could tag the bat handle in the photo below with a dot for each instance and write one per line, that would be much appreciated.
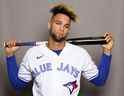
(22, 44)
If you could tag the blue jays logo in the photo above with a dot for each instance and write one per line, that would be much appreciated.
(71, 86)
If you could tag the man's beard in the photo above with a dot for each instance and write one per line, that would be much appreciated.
(58, 38)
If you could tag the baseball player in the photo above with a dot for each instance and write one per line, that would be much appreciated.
(56, 66)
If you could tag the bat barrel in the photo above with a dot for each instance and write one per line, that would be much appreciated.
(88, 40)
(92, 42)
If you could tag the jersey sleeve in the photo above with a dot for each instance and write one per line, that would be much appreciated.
(25, 70)
(89, 69)
(104, 67)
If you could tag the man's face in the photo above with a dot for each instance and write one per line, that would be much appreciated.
(59, 27)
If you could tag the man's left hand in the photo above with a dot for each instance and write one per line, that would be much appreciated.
(107, 48)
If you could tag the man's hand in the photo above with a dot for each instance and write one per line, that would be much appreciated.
(11, 48)
(107, 48)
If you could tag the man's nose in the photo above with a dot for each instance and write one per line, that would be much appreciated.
(62, 28)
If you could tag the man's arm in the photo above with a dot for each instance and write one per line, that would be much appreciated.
(12, 69)
(105, 61)
(103, 67)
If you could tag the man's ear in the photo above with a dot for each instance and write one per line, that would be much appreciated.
(49, 25)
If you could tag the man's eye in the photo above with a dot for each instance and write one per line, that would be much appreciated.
(67, 26)
(58, 23)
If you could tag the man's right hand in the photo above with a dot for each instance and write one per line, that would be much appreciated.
(11, 48)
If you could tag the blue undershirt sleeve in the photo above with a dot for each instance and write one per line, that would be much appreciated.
(13, 73)
(103, 68)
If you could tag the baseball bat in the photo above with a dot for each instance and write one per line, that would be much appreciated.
(77, 41)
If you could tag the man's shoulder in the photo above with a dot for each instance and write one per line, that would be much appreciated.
(38, 48)
(76, 48)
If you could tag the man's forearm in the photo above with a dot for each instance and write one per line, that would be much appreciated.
(13, 73)
(103, 67)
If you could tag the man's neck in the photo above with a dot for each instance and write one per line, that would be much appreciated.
(53, 45)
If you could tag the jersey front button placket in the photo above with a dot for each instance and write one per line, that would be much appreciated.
(56, 62)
